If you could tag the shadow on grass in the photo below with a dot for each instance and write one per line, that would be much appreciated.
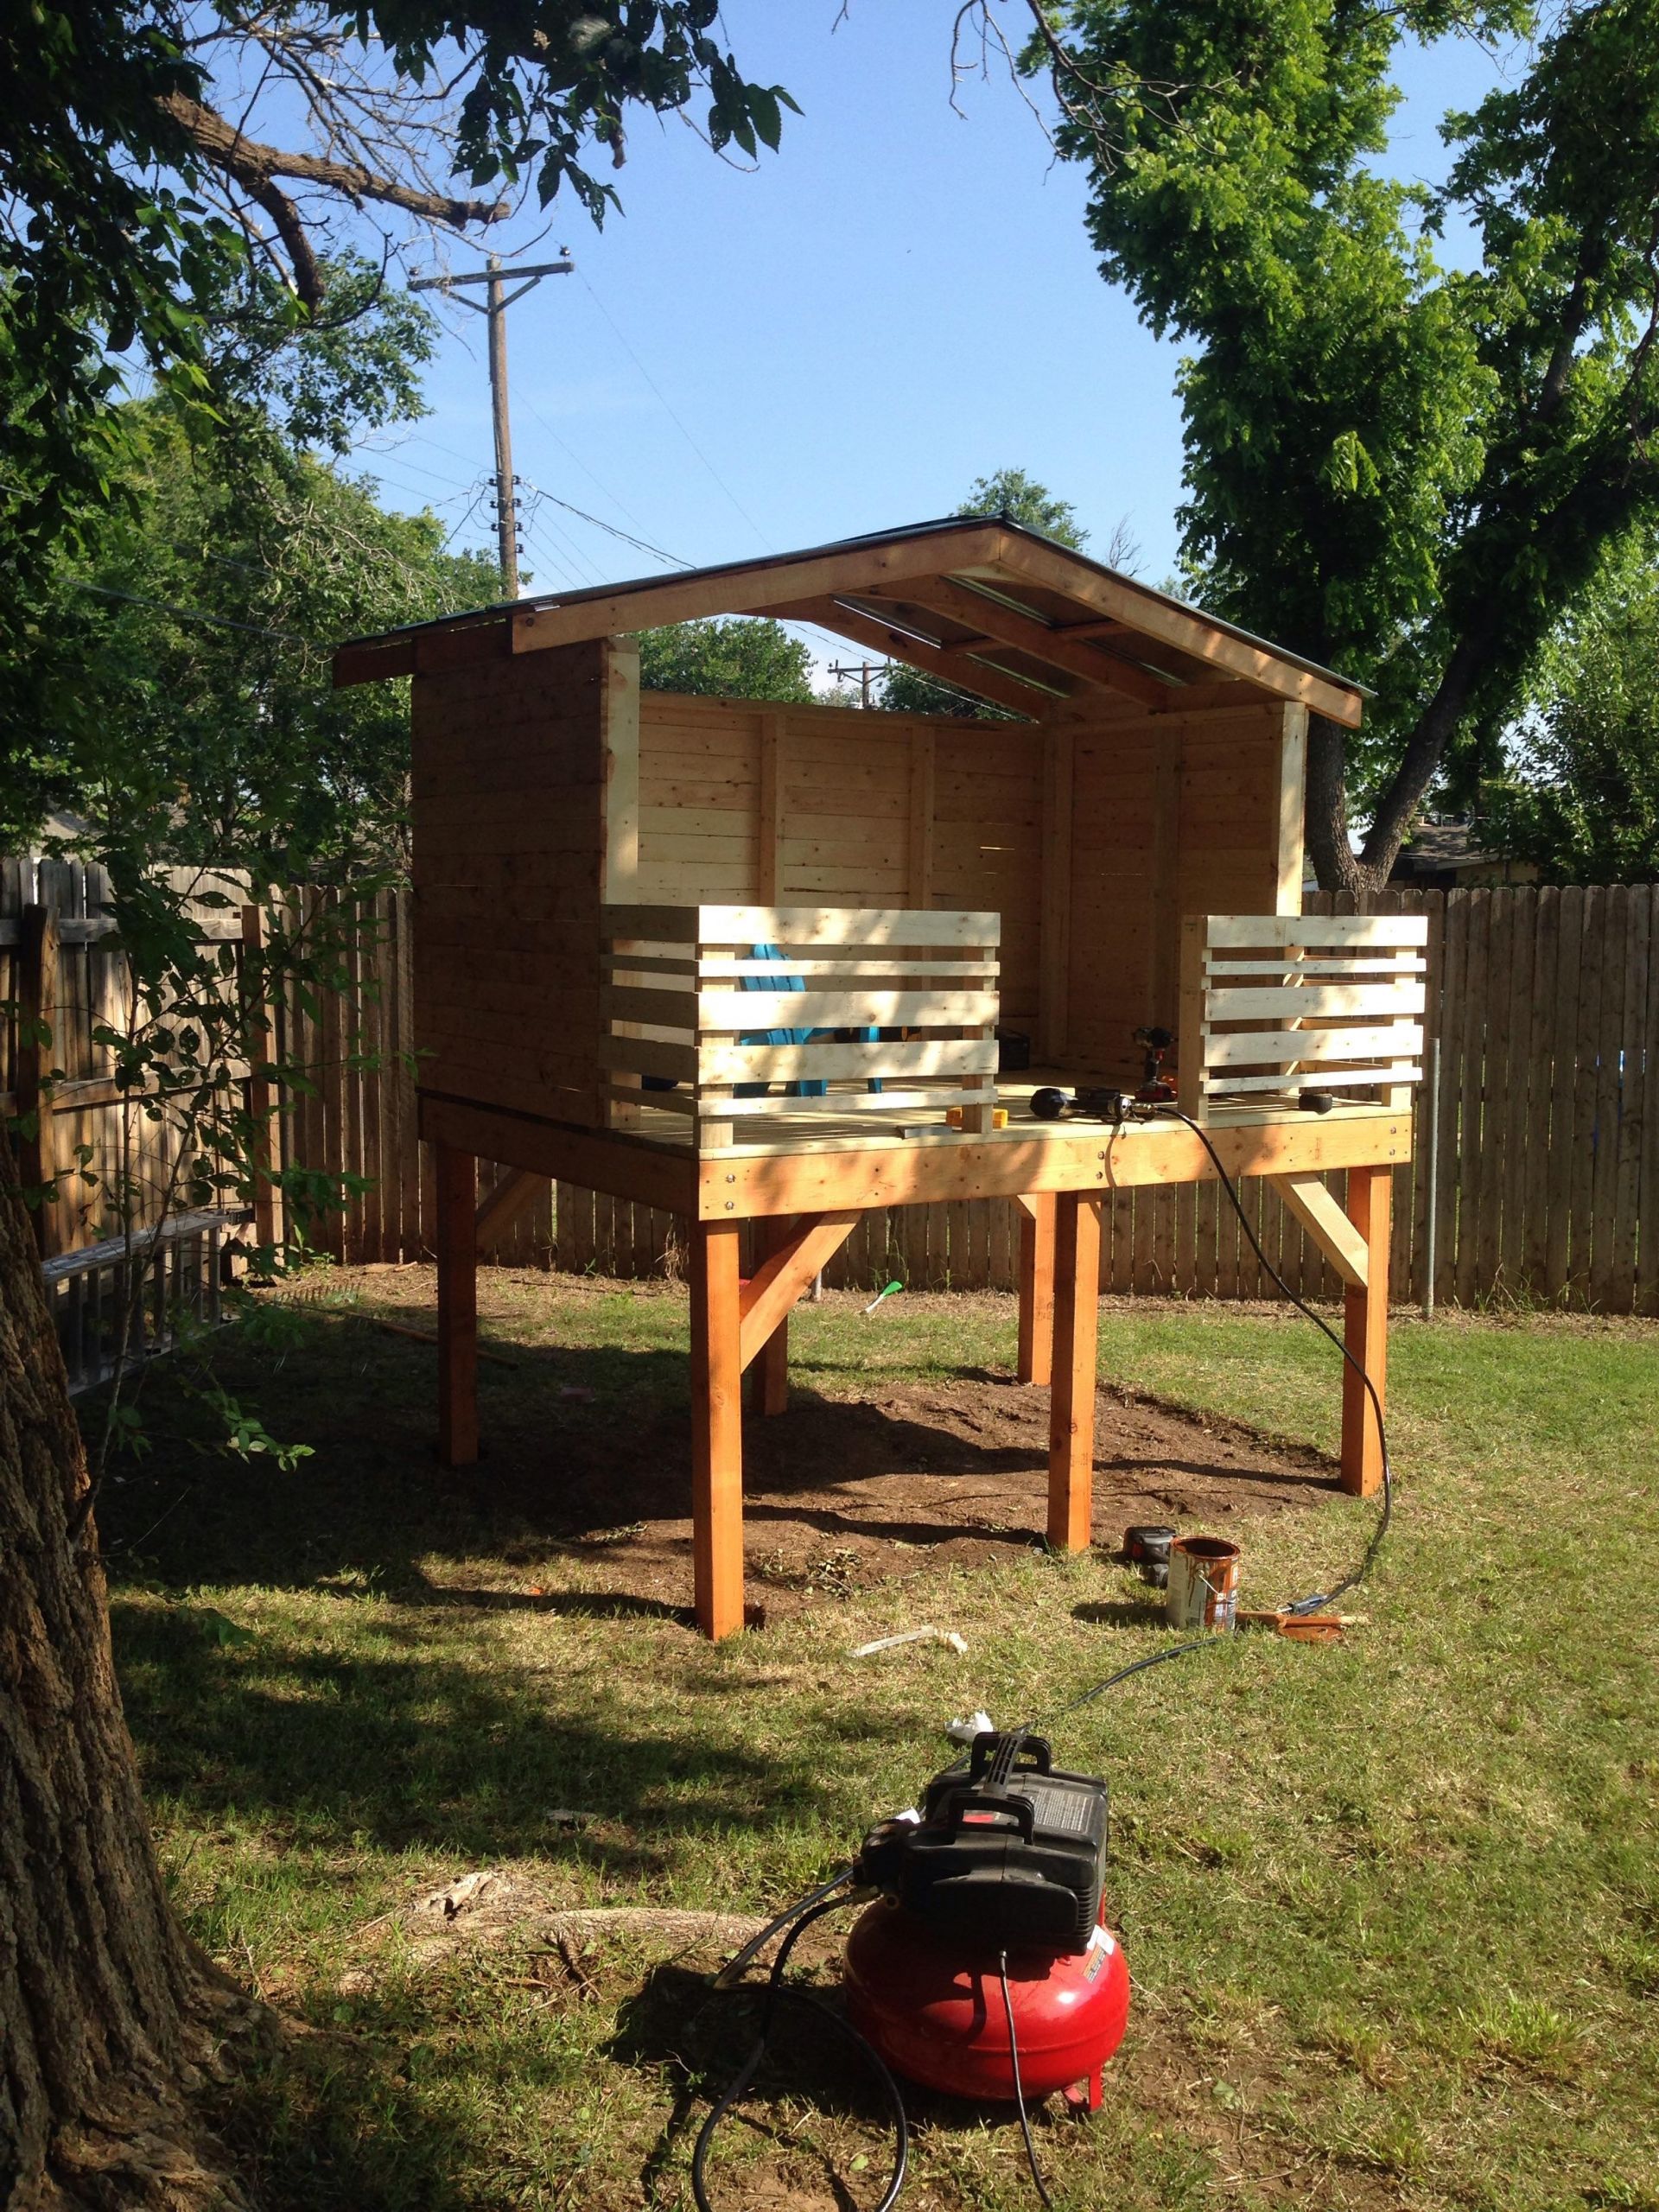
(399, 1745)
(699, 2038)
(325, 2124)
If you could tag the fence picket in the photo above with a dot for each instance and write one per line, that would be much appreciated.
(1541, 1078)
(1636, 1079)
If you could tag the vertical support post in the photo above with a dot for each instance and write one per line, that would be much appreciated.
(1293, 803)
(771, 1362)
(919, 843)
(619, 882)
(267, 1206)
(1163, 965)
(456, 1238)
(38, 971)
(717, 1427)
(981, 1119)
(1365, 1331)
(1189, 1020)
(1037, 1288)
(770, 826)
(1054, 937)
(1071, 1403)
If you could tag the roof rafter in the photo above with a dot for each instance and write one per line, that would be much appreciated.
(1222, 650)
(960, 671)
(1039, 628)
(1042, 640)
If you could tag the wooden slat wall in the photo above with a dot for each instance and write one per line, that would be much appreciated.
(91, 990)
(509, 842)
(1169, 816)
(1549, 1141)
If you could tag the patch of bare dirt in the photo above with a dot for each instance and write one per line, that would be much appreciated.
(840, 1494)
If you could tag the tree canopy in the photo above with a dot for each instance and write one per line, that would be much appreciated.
(731, 658)
(184, 647)
(172, 176)
(1397, 467)
(1579, 793)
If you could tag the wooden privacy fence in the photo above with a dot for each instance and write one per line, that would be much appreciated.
(63, 978)
(1542, 1012)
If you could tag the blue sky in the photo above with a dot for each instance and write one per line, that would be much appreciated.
(901, 299)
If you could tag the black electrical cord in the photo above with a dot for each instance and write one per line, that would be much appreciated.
(1019, 2087)
(1351, 1581)
(734, 1966)
(804, 1916)
(1313, 1602)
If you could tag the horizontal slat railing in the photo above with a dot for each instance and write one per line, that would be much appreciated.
(687, 1026)
(1277, 1004)
(1544, 1003)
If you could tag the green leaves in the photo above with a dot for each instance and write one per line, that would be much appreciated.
(1402, 470)
(1349, 468)
(1579, 795)
(120, 259)
(733, 659)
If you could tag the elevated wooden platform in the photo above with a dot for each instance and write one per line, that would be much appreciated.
(807, 1190)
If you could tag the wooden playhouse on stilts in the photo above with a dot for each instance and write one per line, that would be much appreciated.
(749, 963)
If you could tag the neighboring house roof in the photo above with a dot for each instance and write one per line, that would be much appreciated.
(992, 608)
(1443, 855)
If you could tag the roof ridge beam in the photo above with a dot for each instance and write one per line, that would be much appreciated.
(763, 589)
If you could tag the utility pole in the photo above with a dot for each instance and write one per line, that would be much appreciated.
(496, 300)
(863, 670)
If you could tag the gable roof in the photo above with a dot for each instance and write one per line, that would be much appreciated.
(990, 607)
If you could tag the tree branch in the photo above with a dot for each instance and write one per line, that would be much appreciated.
(256, 167)
(290, 228)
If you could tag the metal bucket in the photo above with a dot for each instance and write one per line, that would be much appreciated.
(1203, 1593)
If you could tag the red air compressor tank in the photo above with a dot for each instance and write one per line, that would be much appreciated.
(933, 2008)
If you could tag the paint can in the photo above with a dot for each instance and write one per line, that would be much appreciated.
(1203, 1574)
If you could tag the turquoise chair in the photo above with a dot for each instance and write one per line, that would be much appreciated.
(805, 1086)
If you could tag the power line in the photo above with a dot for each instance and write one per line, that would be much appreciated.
(552, 535)
(570, 454)
(675, 418)
(483, 486)
(396, 454)
(640, 545)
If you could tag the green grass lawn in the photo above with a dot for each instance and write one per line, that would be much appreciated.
(1392, 1908)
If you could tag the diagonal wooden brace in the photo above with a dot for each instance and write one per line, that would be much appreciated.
(1328, 1225)
(497, 1213)
(769, 1293)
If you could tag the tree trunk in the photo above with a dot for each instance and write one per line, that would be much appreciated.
(1336, 864)
(108, 2014)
